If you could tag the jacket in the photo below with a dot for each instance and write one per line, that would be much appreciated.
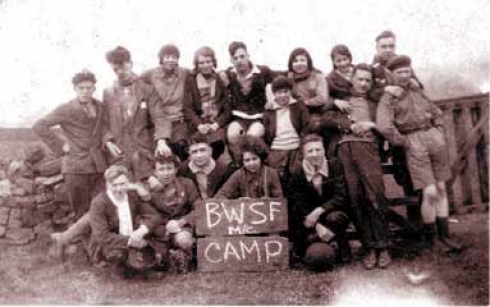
(82, 134)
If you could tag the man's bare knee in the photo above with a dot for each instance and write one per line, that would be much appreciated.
(234, 132)
(256, 130)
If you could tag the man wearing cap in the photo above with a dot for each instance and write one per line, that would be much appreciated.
(81, 149)
(246, 83)
(415, 123)
(169, 81)
(130, 104)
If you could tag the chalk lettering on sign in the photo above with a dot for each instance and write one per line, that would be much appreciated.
(206, 252)
(264, 217)
(269, 253)
(240, 229)
(255, 246)
(230, 250)
(232, 215)
(212, 210)
(273, 205)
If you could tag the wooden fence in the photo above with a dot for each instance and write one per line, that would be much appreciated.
(466, 122)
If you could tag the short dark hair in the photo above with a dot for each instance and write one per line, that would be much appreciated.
(254, 145)
(84, 75)
(118, 56)
(309, 138)
(385, 34)
(300, 51)
(197, 138)
(168, 159)
(234, 46)
(168, 49)
(363, 66)
(281, 82)
(206, 52)
(340, 50)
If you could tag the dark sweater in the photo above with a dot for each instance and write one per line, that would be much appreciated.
(255, 100)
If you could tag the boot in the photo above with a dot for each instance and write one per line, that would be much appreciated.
(344, 253)
(443, 231)
(429, 235)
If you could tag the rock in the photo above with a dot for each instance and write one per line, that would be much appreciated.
(45, 227)
(16, 213)
(15, 223)
(11, 203)
(26, 184)
(49, 181)
(44, 197)
(18, 191)
(47, 207)
(29, 217)
(20, 235)
(3, 230)
(48, 168)
(25, 200)
(4, 215)
(3, 200)
(5, 188)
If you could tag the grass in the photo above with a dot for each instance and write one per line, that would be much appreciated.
(28, 276)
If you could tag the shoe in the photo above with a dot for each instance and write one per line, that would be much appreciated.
(345, 254)
(369, 260)
(384, 259)
(57, 249)
(451, 246)
(443, 232)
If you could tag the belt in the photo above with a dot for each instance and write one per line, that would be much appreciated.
(179, 121)
(422, 127)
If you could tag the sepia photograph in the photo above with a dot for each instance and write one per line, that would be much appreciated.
(244, 152)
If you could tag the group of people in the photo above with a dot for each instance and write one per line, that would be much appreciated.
(136, 163)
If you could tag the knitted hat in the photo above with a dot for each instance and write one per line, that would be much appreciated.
(398, 61)
(84, 75)
(118, 55)
(280, 83)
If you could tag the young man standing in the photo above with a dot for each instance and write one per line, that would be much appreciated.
(169, 81)
(246, 84)
(130, 105)
(413, 122)
(82, 123)
(359, 155)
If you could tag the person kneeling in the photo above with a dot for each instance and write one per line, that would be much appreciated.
(119, 220)
(319, 204)
(174, 199)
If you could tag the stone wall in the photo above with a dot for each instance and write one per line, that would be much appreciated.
(31, 205)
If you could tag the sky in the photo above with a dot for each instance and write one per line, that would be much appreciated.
(44, 42)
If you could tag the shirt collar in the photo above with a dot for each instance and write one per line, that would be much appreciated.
(310, 170)
(206, 170)
(160, 73)
(274, 105)
(116, 202)
(255, 70)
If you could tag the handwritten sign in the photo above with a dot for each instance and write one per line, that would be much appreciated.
(241, 216)
(242, 254)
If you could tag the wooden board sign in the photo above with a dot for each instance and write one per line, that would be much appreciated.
(242, 254)
(241, 216)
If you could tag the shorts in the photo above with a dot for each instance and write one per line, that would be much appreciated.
(427, 158)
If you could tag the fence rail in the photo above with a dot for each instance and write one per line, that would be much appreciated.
(466, 122)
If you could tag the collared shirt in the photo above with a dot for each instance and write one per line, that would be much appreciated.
(89, 108)
(246, 82)
(202, 174)
(124, 214)
(315, 176)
